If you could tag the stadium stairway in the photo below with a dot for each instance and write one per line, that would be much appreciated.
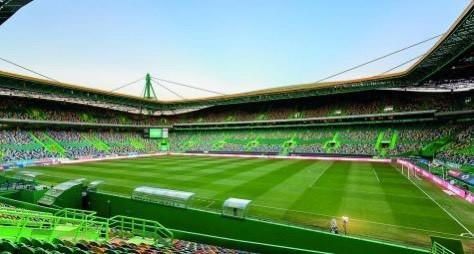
(219, 145)
(432, 148)
(252, 144)
(48, 143)
(137, 144)
(98, 144)
(192, 142)
(332, 144)
(85, 117)
(36, 114)
(389, 137)
(288, 146)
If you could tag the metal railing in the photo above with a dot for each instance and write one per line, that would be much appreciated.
(123, 225)
(437, 248)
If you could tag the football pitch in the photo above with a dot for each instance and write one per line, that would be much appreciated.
(379, 201)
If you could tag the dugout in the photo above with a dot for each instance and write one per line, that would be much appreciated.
(235, 207)
(163, 196)
(94, 185)
(27, 176)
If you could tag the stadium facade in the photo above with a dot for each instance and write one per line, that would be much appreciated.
(419, 120)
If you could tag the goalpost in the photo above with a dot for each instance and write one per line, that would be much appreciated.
(410, 172)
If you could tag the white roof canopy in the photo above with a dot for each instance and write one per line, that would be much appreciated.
(68, 184)
(237, 203)
(165, 193)
(29, 174)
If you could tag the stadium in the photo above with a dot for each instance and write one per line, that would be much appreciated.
(383, 164)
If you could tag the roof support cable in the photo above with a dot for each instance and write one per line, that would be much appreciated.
(127, 84)
(187, 85)
(379, 58)
(169, 90)
(402, 64)
(29, 70)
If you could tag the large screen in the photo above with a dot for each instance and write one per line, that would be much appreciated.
(158, 133)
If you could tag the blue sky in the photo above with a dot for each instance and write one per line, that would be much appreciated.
(224, 45)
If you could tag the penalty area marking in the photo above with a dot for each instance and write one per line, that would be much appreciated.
(376, 176)
(442, 208)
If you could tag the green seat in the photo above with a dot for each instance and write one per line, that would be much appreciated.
(92, 243)
(26, 250)
(36, 243)
(65, 249)
(82, 246)
(8, 246)
(49, 246)
(68, 243)
(79, 251)
(40, 250)
(57, 241)
(112, 252)
(26, 241)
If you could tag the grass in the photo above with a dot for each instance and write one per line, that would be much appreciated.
(380, 202)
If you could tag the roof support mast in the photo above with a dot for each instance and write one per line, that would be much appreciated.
(149, 91)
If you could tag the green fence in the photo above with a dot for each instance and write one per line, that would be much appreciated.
(205, 226)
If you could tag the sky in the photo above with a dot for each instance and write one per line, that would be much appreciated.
(222, 45)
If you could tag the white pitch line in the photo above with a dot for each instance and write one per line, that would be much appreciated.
(416, 176)
(319, 176)
(355, 219)
(262, 204)
(442, 208)
(376, 176)
(211, 203)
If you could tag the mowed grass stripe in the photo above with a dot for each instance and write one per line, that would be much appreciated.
(201, 169)
(129, 170)
(186, 168)
(125, 177)
(244, 176)
(213, 180)
(313, 199)
(116, 182)
(292, 189)
(357, 193)
(158, 163)
(413, 211)
(160, 160)
(257, 186)
(345, 188)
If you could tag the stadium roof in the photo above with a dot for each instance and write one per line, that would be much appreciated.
(455, 43)
(9, 7)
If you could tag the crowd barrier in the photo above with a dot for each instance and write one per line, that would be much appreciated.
(29, 163)
(293, 157)
(111, 157)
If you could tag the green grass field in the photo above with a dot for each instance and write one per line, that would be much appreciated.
(380, 202)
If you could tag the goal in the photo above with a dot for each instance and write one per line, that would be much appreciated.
(410, 172)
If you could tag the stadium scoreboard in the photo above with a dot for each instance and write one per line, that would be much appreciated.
(156, 133)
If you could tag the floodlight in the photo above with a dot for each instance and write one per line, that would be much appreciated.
(345, 220)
